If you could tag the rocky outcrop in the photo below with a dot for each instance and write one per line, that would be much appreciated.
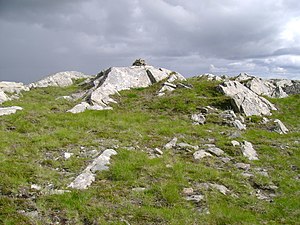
(11, 90)
(3, 97)
(244, 100)
(9, 110)
(115, 79)
(61, 79)
(212, 77)
(12, 87)
(87, 177)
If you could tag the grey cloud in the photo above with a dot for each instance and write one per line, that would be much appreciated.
(41, 37)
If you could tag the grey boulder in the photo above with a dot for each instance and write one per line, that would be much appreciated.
(244, 100)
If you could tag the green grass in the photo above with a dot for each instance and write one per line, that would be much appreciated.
(33, 142)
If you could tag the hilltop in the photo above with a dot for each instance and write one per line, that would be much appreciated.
(145, 145)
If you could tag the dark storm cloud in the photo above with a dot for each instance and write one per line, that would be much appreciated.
(230, 36)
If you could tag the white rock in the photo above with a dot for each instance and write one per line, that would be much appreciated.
(36, 187)
(115, 79)
(201, 154)
(221, 188)
(186, 146)
(248, 151)
(216, 151)
(243, 166)
(198, 118)
(246, 101)
(171, 144)
(61, 79)
(3, 97)
(235, 143)
(139, 189)
(194, 198)
(280, 128)
(158, 151)
(9, 110)
(188, 191)
(238, 124)
(87, 177)
(12, 87)
(68, 155)
(167, 87)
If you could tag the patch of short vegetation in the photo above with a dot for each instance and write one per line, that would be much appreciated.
(141, 187)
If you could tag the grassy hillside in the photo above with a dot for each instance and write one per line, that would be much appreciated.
(34, 140)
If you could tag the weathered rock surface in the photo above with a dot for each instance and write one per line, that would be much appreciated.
(115, 79)
(13, 87)
(248, 151)
(3, 97)
(280, 127)
(212, 77)
(9, 110)
(239, 125)
(171, 144)
(198, 119)
(61, 79)
(274, 88)
(198, 155)
(214, 150)
(86, 178)
(246, 101)
(81, 107)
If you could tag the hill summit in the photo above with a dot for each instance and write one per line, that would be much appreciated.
(145, 145)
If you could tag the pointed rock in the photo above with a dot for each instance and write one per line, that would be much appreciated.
(248, 151)
(280, 127)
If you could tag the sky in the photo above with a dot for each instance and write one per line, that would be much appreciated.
(42, 37)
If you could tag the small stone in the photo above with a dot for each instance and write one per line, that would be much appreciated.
(36, 187)
(221, 188)
(198, 119)
(158, 151)
(247, 174)
(194, 198)
(201, 154)
(216, 151)
(243, 166)
(138, 189)
(188, 191)
(186, 146)
(171, 144)
(67, 155)
(235, 143)
(225, 159)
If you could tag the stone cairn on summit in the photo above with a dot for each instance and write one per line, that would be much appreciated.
(139, 62)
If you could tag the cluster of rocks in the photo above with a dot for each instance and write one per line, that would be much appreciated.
(60, 79)
(247, 92)
(13, 90)
(111, 81)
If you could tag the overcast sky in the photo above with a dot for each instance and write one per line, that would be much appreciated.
(40, 37)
